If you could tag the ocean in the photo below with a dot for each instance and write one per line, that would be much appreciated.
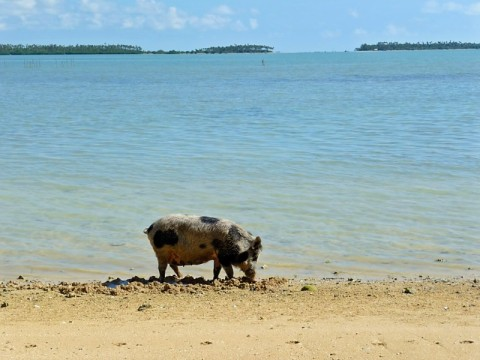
(357, 164)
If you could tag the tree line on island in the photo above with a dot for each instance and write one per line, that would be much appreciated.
(9, 49)
(439, 45)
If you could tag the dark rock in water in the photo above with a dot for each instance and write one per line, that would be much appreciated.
(112, 284)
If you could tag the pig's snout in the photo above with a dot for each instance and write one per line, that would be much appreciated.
(250, 273)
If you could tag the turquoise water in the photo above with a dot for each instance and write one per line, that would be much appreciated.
(359, 164)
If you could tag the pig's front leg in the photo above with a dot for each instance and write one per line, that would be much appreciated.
(228, 269)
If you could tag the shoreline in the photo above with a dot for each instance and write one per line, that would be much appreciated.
(438, 269)
(269, 319)
(264, 271)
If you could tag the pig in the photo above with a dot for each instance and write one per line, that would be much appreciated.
(191, 240)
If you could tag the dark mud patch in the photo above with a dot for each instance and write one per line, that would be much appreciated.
(190, 284)
(151, 285)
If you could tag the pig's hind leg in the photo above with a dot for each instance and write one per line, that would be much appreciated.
(162, 267)
(217, 267)
(175, 269)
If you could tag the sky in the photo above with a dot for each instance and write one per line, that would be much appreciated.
(287, 25)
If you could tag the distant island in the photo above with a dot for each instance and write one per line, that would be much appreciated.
(9, 49)
(388, 46)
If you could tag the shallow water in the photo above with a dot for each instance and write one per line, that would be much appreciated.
(364, 164)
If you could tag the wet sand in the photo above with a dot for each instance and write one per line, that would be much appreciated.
(274, 318)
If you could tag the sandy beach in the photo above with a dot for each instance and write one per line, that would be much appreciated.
(274, 318)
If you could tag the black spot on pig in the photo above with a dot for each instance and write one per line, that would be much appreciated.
(202, 246)
(168, 237)
(241, 257)
(230, 256)
(209, 220)
(234, 233)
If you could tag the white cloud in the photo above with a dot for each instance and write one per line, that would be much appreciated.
(94, 11)
(52, 2)
(150, 13)
(176, 19)
(331, 34)
(436, 7)
(221, 17)
(133, 22)
(433, 6)
(23, 11)
(52, 7)
(224, 10)
(212, 21)
(360, 32)
(25, 4)
(354, 13)
(473, 9)
(154, 14)
(396, 30)
(452, 6)
(68, 20)
(238, 26)
(17, 8)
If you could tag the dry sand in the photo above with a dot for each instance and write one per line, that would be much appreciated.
(271, 319)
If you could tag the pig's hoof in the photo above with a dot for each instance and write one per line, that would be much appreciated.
(171, 280)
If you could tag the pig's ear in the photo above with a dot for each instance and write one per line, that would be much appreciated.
(257, 243)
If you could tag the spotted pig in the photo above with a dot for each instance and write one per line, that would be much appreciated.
(191, 240)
